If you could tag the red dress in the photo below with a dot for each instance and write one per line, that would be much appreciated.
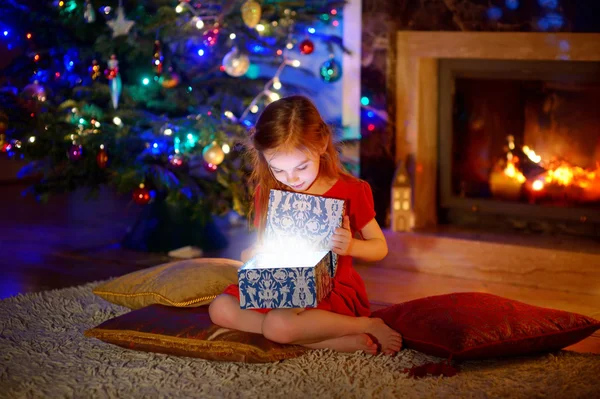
(349, 296)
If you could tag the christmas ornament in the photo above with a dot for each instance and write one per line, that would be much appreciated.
(102, 158)
(120, 26)
(5, 146)
(170, 80)
(141, 195)
(331, 71)
(176, 160)
(251, 13)
(94, 70)
(213, 154)
(157, 60)
(211, 167)
(107, 12)
(114, 80)
(235, 63)
(34, 91)
(75, 152)
(307, 47)
(89, 15)
(210, 37)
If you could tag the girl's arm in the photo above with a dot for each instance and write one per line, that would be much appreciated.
(248, 253)
(372, 247)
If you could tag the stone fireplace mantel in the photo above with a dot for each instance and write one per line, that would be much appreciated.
(416, 81)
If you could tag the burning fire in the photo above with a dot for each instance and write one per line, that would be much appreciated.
(511, 169)
(556, 174)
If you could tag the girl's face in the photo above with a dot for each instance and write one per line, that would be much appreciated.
(294, 168)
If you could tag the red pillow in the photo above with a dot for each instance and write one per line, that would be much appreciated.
(473, 325)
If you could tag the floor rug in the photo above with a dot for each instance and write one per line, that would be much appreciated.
(44, 354)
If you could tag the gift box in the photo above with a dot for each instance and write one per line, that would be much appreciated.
(294, 268)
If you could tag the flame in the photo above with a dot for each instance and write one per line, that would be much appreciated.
(531, 154)
(566, 174)
(557, 173)
(538, 185)
(511, 170)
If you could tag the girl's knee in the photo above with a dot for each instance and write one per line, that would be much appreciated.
(222, 310)
(278, 327)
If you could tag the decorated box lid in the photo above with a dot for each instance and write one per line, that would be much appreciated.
(302, 222)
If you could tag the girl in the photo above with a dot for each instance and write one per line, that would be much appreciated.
(292, 149)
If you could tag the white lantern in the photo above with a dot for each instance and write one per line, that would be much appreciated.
(402, 215)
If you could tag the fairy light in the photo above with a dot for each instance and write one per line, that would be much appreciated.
(226, 149)
(198, 19)
(274, 96)
(275, 82)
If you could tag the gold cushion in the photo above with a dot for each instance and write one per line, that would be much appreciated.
(185, 283)
(189, 332)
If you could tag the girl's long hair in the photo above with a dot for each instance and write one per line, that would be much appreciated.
(287, 124)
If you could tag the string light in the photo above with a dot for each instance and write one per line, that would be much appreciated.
(274, 83)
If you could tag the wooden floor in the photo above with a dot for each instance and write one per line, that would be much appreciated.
(70, 242)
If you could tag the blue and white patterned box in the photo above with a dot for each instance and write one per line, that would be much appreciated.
(296, 266)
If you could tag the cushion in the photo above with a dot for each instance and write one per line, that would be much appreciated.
(475, 325)
(184, 283)
(189, 332)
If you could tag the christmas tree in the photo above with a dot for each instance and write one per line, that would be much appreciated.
(152, 97)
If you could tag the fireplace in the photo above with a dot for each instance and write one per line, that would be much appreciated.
(557, 263)
(519, 145)
(522, 78)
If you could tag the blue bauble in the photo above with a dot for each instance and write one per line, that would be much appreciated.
(331, 71)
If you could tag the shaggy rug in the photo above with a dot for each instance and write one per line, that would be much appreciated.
(44, 353)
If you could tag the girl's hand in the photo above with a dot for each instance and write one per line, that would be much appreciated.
(341, 240)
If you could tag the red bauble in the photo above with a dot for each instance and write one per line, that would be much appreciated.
(141, 195)
(211, 167)
(111, 73)
(307, 47)
(102, 159)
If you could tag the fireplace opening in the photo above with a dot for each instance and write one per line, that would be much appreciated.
(520, 145)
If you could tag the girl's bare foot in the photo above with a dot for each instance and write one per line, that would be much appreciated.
(348, 343)
(390, 340)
